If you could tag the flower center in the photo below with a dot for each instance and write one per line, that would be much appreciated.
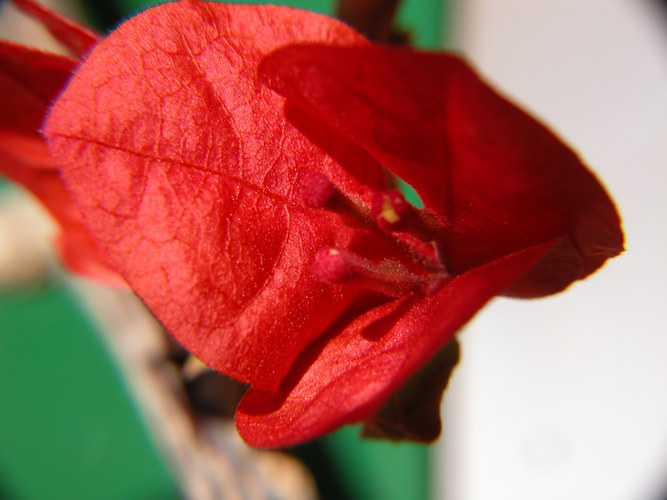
(389, 208)
(409, 230)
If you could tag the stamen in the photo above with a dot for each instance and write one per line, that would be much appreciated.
(392, 212)
(332, 266)
(389, 208)
(318, 191)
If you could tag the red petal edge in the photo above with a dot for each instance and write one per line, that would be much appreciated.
(347, 375)
(31, 166)
(29, 81)
(185, 169)
(499, 180)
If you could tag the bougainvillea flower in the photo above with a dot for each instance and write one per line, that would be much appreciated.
(29, 82)
(231, 161)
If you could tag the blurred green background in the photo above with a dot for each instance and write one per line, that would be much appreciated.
(69, 428)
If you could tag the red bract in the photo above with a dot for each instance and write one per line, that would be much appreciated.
(228, 159)
(29, 81)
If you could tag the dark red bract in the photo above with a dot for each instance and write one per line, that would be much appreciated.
(230, 160)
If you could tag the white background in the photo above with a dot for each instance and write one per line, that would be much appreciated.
(566, 397)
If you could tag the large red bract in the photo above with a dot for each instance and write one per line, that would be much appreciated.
(189, 175)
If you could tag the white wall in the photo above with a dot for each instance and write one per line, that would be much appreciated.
(566, 397)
